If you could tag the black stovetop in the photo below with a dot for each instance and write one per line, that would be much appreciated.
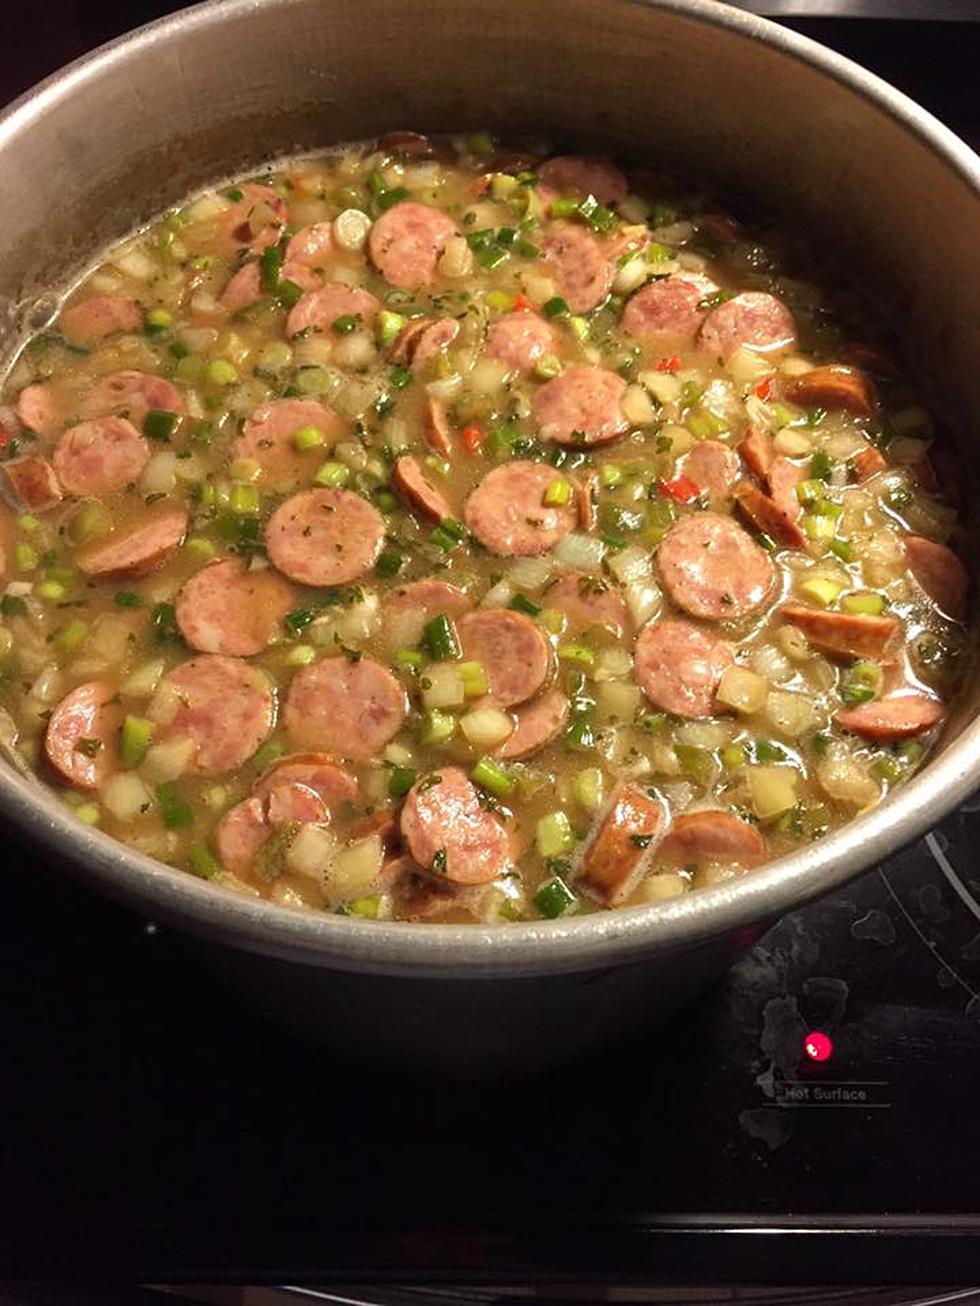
(153, 1130)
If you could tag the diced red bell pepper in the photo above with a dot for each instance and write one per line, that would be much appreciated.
(472, 438)
(765, 389)
(682, 489)
(671, 364)
(522, 303)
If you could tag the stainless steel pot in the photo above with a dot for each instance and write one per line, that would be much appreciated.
(783, 125)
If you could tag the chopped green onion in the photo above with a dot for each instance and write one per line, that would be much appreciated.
(821, 466)
(579, 327)
(842, 550)
(448, 534)
(300, 655)
(698, 763)
(480, 143)
(289, 293)
(88, 813)
(309, 437)
(221, 372)
(71, 636)
(580, 734)
(554, 898)
(657, 253)
(611, 474)
(314, 380)
(861, 683)
(553, 835)
(134, 739)
(440, 639)
(578, 653)
(268, 753)
(164, 620)
(203, 861)
(175, 812)
(733, 756)
(474, 677)
(333, 475)
(244, 500)
(12, 605)
(492, 777)
(199, 547)
(521, 603)
(409, 657)
(28, 523)
(400, 781)
(270, 269)
(390, 562)
(389, 325)
(127, 599)
(399, 376)
(766, 751)
(346, 323)
(555, 307)
(819, 528)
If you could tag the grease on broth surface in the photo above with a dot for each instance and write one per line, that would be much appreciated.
(423, 532)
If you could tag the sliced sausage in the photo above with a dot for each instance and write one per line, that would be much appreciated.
(421, 897)
(538, 724)
(844, 633)
(519, 339)
(255, 221)
(101, 456)
(940, 573)
(409, 479)
(293, 802)
(678, 667)
(450, 834)
(713, 467)
(576, 258)
(325, 537)
(871, 358)
(310, 247)
(869, 462)
(711, 836)
(587, 500)
(407, 609)
(581, 406)
(317, 771)
(784, 476)
(898, 716)
(757, 452)
(406, 243)
(938, 471)
(268, 439)
(752, 320)
(350, 709)
(91, 320)
(422, 340)
(713, 569)
(413, 143)
(318, 310)
(137, 551)
(579, 175)
(226, 707)
(587, 600)
(769, 517)
(622, 845)
(507, 513)
(131, 394)
(225, 608)
(666, 310)
(436, 427)
(244, 288)
(32, 483)
(514, 652)
(39, 408)
(834, 387)
(240, 835)
(80, 740)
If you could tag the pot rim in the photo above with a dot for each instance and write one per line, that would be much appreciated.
(473, 951)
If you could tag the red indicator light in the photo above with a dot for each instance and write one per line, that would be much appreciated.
(818, 1046)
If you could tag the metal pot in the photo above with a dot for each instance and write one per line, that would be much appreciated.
(786, 127)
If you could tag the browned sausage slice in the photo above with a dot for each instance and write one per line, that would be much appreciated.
(940, 573)
(240, 835)
(318, 310)
(538, 724)
(225, 608)
(131, 394)
(667, 309)
(757, 451)
(712, 836)
(769, 517)
(244, 288)
(623, 844)
(784, 477)
(412, 143)
(32, 483)
(587, 500)
(834, 387)
(678, 667)
(869, 462)
(507, 513)
(409, 479)
(520, 339)
(317, 771)
(325, 537)
(513, 651)
(80, 741)
(349, 709)
(436, 427)
(226, 707)
(589, 600)
(93, 319)
(579, 175)
(712, 569)
(405, 243)
(450, 834)
(101, 456)
(844, 633)
(713, 467)
(310, 247)
(39, 408)
(576, 258)
(581, 406)
(137, 551)
(898, 716)
(753, 320)
(268, 439)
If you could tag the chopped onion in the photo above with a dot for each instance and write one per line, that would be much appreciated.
(167, 760)
(742, 689)
(531, 573)
(772, 790)
(703, 734)
(456, 259)
(643, 598)
(442, 686)
(311, 852)
(631, 276)
(204, 207)
(746, 366)
(680, 439)
(662, 385)
(769, 663)
(351, 454)
(160, 474)
(47, 687)
(354, 398)
(136, 263)
(111, 638)
(498, 596)
(165, 704)
(355, 350)
(636, 405)
(351, 229)
(845, 779)
(314, 351)
(198, 340)
(126, 796)
(791, 714)
(578, 552)
(191, 468)
(759, 413)
(794, 365)
(617, 700)
(632, 563)
(486, 727)
(486, 376)
(354, 868)
(792, 442)
(202, 302)
(612, 664)
(444, 388)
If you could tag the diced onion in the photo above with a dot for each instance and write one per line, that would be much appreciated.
(125, 796)
(354, 868)
(643, 598)
(314, 351)
(759, 413)
(531, 573)
(311, 852)
(47, 686)
(617, 700)
(769, 663)
(456, 259)
(486, 727)
(167, 760)
(632, 563)
(792, 443)
(612, 664)
(703, 734)
(498, 596)
(658, 888)
(355, 350)
(791, 714)
(742, 689)
(204, 207)
(681, 439)
(772, 790)
(746, 366)
(202, 302)
(160, 474)
(351, 454)
(794, 365)
(631, 276)
(354, 398)
(486, 376)
(136, 263)
(442, 686)
(580, 552)
(142, 681)
(444, 388)
(845, 779)
(793, 643)
(662, 385)
(111, 637)
(637, 407)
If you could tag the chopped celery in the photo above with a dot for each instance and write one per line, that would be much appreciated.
(203, 861)
(24, 556)
(861, 683)
(134, 739)
(71, 637)
(474, 677)
(553, 835)
(821, 589)
(437, 727)
(558, 492)
(244, 500)
(865, 601)
(333, 475)
(309, 437)
(577, 653)
(175, 812)
(220, 371)
(492, 777)
(587, 788)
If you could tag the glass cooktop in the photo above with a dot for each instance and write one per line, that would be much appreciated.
(812, 1120)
